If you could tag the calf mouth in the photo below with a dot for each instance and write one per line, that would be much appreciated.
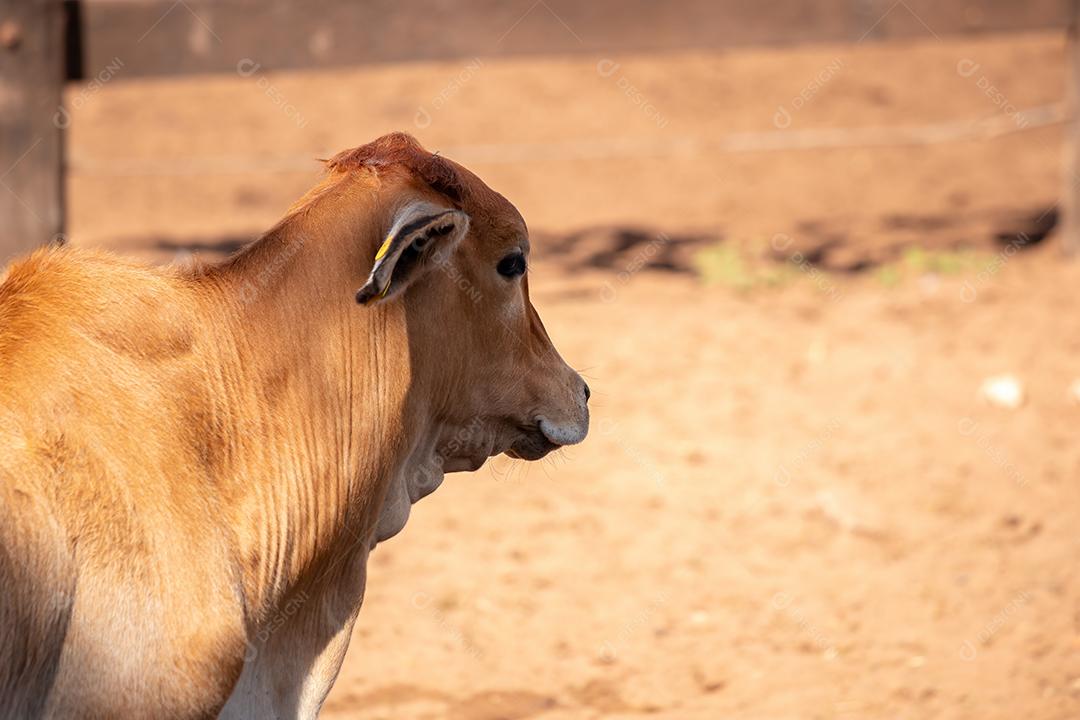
(532, 445)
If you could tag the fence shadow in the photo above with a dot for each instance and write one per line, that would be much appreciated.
(622, 248)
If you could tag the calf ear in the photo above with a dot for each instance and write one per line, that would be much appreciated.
(422, 232)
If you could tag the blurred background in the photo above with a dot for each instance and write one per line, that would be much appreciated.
(815, 259)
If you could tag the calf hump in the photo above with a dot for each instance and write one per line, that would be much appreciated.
(76, 295)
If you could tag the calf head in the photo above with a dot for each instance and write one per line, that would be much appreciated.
(455, 254)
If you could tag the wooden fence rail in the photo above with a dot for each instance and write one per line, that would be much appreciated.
(162, 37)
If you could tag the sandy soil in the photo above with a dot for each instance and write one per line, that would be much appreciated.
(793, 503)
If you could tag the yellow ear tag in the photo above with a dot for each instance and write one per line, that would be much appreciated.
(385, 247)
(379, 256)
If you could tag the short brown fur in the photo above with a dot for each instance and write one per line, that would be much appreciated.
(195, 463)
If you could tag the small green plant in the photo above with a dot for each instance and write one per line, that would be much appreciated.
(724, 265)
(942, 262)
(729, 266)
(889, 275)
(917, 261)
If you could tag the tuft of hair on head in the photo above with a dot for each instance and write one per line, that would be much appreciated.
(404, 150)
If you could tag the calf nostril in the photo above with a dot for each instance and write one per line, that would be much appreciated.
(588, 392)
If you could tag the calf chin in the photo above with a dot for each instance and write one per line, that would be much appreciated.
(564, 433)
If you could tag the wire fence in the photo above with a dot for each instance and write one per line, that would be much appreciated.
(979, 129)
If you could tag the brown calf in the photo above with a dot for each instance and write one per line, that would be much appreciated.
(195, 463)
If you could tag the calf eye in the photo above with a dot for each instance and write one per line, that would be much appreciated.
(512, 265)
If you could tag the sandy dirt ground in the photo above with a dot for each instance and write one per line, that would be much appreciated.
(793, 503)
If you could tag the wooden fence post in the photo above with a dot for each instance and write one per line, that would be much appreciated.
(1070, 186)
(31, 124)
